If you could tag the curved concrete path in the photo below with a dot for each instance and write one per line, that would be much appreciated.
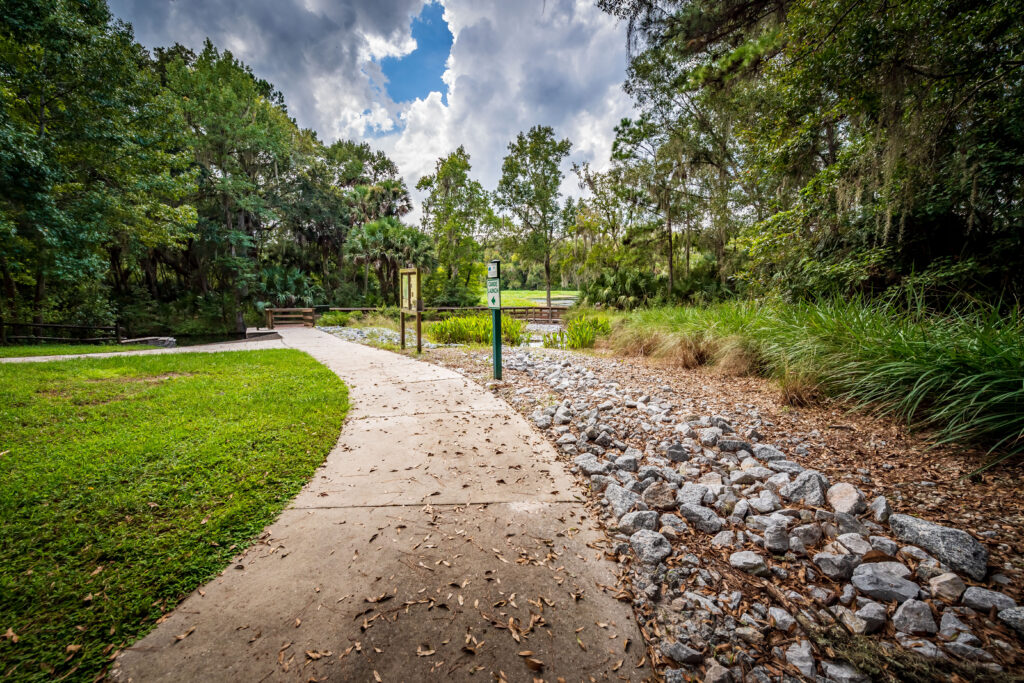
(439, 540)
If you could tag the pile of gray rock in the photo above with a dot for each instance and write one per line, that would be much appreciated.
(376, 335)
(708, 499)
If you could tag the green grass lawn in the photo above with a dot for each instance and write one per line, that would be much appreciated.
(67, 349)
(127, 482)
(525, 297)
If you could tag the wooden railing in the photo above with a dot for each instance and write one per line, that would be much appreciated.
(290, 317)
(76, 334)
(280, 317)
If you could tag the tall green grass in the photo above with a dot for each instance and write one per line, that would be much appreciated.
(476, 329)
(960, 373)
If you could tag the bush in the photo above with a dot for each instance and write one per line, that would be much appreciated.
(476, 329)
(582, 332)
(333, 319)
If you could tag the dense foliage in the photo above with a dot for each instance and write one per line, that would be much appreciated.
(808, 147)
(172, 191)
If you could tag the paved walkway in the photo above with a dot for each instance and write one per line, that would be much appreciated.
(439, 540)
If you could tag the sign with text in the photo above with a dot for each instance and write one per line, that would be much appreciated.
(493, 292)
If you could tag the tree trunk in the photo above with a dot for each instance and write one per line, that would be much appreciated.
(547, 273)
(671, 258)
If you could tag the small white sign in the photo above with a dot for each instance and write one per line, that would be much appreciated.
(492, 269)
(493, 292)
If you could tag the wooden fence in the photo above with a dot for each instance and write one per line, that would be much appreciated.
(51, 332)
(307, 317)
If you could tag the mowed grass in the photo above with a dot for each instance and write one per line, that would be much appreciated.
(127, 482)
(67, 349)
(530, 297)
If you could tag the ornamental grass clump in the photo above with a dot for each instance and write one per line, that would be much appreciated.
(476, 329)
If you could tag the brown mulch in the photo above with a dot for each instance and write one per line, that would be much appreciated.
(916, 476)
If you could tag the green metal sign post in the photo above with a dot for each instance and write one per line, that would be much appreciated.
(494, 303)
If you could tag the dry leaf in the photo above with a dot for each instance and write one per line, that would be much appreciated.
(185, 635)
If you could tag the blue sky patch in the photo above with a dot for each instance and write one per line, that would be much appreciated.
(419, 73)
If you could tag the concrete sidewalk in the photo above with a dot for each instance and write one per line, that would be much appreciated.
(440, 539)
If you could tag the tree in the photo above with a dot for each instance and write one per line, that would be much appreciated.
(92, 154)
(456, 213)
(529, 188)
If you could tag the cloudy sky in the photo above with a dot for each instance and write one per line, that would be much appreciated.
(418, 79)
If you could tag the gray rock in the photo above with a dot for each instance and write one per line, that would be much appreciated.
(680, 653)
(846, 498)
(880, 510)
(848, 524)
(724, 539)
(873, 615)
(956, 548)
(704, 519)
(983, 599)
(875, 582)
(660, 495)
(627, 462)
(748, 561)
(589, 464)
(710, 436)
(884, 545)
(776, 539)
(620, 500)
(733, 445)
(716, 673)
(896, 568)
(673, 521)
(854, 623)
(1014, 618)
(765, 502)
(632, 522)
(650, 546)
(968, 652)
(841, 672)
(765, 452)
(808, 487)
(914, 617)
(836, 567)
(947, 586)
(855, 543)
(950, 626)
(542, 421)
(801, 656)
(784, 467)
(782, 619)
(677, 452)
(691, 494)
(810, 534)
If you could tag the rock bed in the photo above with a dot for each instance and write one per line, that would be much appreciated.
(376, 335)
(740, 557)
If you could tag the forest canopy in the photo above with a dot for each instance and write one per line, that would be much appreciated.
(796, 149)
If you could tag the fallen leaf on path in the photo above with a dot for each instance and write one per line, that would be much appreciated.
(184, 635)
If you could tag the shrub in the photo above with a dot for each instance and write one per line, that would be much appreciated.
(476, 329)
(582, 332)
(333, 319)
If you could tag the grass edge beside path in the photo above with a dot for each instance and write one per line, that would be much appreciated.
(29, 350)
(130, 481)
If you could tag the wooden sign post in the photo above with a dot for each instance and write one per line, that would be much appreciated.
(411, 303)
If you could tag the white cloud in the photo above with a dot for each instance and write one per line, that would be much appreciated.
(513, 64)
